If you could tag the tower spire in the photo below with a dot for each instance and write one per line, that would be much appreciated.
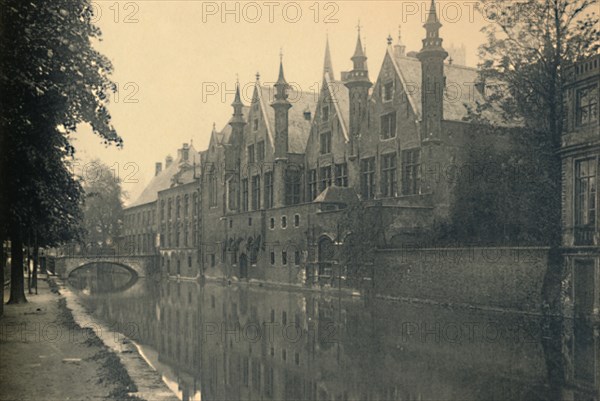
(281, 85)
(327, 65)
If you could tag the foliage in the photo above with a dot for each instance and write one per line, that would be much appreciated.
(103, 206)
(51, 80)
(529, 45)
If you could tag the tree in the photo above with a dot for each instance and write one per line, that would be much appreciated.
(529, 45)
(103, 207)
(51, 80)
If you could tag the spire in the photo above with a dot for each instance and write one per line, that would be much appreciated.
(432, 17)
(238, 105)
(400, 48)
(281, 85)
(358, 52)
(327, 65)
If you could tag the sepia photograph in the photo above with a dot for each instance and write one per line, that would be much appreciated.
(309, 200)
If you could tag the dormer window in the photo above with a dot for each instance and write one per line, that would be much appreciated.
(388, 91)
(255, 124)
(260, 151)
(388, 125)
(251, 154)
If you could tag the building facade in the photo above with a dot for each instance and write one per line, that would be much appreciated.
(580, 151)
(277, 182)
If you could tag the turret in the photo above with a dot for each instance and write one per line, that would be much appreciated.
(281, 106)
(237, 121)
(432, 57)
(358, 84)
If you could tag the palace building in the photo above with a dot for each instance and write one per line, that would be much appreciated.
(265, 200)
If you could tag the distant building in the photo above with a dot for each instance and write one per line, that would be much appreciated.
(458, 54)
(276, 181)
(580, 152)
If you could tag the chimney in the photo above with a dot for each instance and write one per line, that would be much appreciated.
(168, 161)
(157, 168)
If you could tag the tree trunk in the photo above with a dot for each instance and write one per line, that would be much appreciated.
(36, 258)
(2, 267)
(17, 281)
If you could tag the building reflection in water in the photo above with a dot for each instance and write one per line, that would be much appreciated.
(241, 342)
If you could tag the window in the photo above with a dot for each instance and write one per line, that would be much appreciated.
(585, 193)
(292, 187)
(195, 205)
(256, 192)
(260, 151)
(250, 221)
(389, 180)
(283, 257)
(189, 261)
(341, 175)
(213, 261)
(245, 195)
(283, 222)
(587, 105)
(268, 190)
(250, 154)
(297, 258)
(325, 143)
(325, 177)
(312, 184)
(325, 113)
(367, 178)
(185, 235)
(212, 187)
(296, 220)
(388, 91)
(272, 257)
(162, 210)
(178, 207)
(410, 172)
(186, 205)
(388, 125)
(231, 194)
(255, 124)
(272, 223)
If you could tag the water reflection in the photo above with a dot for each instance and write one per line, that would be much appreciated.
(101, 278)
(246, 343)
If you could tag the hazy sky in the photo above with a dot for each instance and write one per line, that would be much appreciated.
(170, 56)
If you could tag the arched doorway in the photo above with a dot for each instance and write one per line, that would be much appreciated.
(243, 266)
(326, 254)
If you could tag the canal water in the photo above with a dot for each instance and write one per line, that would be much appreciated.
(216, 341)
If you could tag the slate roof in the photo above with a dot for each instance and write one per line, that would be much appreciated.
(165, 179)
(299, 127)
(461, 93)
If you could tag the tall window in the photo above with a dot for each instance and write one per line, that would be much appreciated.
(325, 143)
(250, 154)
(389, 180)
(260, 151)
(162, 210)
(388, 91)
(212, 187)
(255, 124)
(232, 194)
(256, 192)
(186, 205)
(367, 178)
(178, 207)
(585, 193)
(195, 204)
(292, 187)
(410, 172)
(268, 190)
(245, 195)
(587, 105)
(388, 125)
(312, 184)
(325, 113)
(325, 177)
(341, 175)
(169, 208)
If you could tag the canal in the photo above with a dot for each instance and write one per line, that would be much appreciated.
(218, 341)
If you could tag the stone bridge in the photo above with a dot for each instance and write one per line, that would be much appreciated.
(143, 266)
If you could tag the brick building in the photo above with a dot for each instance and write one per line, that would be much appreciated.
(580, 151)
(277, 180)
